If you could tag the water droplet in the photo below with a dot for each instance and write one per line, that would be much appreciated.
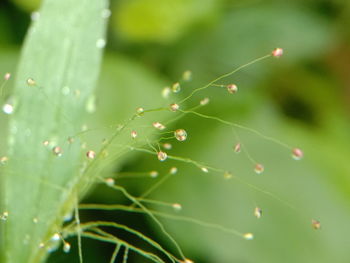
(35, 220)
(174, 107)
(68, 217)
(140, 110)
(109, 181)
(106, 13)
(66, 247)
(277, 52)
(173, 170)
(297, 154)
(9, 106)
(166, 92)
(101, 43)
(65, 90)
(257, 212)
(46, 143)
(57, 151)
(205, 169)
(167, 146)
(176, 88)
(133, 134)
(90, 105)
(70, 140)
(177, 207)
(237, 148)
(180, 135)
(162, 156)
(3, 160)
(90, 155)
(31, 82)
(232, 88)
(259, 168)
(204, 101)
(315, 224)
(158, 125)
(7, 76)
(153, 174)
(34, 16)
(248, 236)
(84, 127)
(41, 245)
(227, 175)
(187, 75)
(4, 216)
(56, 237)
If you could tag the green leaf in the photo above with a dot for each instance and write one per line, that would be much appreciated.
(62, 55)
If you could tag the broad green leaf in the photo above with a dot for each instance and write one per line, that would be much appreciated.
(61, 56)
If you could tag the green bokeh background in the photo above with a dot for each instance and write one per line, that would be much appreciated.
(302, 99)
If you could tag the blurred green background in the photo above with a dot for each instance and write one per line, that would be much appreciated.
(302, 99)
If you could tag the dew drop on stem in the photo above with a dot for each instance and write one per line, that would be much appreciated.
(90, 155)
(257, 212)
(180, 135)
(259, 168)
(248, 236)
(66, 247)
(57, 151)
(162, 156)
(176, 88)
(297, 154)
